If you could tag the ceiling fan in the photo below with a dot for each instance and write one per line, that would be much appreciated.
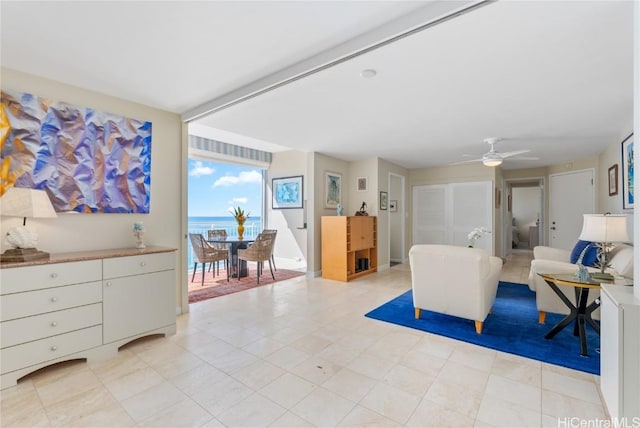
(493, 158)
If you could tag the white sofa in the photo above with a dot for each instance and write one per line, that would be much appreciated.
(555, 260)
(457, 281)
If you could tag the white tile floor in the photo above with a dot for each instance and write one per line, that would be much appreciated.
(300, 353)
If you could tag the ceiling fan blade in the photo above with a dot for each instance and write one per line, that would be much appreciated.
(466, 161)
(526, 158)
(509, 154)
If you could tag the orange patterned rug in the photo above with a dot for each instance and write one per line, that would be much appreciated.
(218, 286)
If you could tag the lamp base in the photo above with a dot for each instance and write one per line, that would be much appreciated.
(22, 255)
(602, 276)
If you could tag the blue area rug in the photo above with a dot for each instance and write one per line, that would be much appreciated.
(512, 327)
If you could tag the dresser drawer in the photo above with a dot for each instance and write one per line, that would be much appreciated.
(28, 329)
(16, 280)
(20, 305)
(40, 351)
(135, 265)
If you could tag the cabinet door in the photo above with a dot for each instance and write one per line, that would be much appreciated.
(361, 232)
(134, 305)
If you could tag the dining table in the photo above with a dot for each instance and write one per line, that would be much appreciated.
(233, 244)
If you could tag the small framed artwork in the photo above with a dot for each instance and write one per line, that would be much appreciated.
(509, 203)
(393, 205)
(628, 192)
(287, 192)
(498, 196)
(383, 201)
(362, 184)
(613, 180)
(332, 189)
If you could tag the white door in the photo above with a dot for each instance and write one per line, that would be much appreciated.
(430, 215)
(446, 213)
(570, 196)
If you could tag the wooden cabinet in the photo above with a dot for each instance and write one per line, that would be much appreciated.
(349, 246)
(619, 350)
(82, 305)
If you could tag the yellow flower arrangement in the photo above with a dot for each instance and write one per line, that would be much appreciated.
(240, 215)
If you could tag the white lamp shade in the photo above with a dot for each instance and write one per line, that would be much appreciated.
(604, 228)
(22, 202)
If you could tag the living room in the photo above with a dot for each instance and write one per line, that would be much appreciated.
(166, 224)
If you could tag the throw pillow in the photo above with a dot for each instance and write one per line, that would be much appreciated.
(590, 253)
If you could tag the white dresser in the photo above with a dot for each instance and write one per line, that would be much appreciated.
(619, 350)
(82, 305)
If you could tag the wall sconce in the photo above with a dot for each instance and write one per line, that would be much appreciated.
(22, 202)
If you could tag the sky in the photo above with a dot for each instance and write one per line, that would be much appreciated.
(214, 188)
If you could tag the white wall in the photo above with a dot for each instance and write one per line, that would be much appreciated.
(291, 242)
(396, 252)
(78, 232)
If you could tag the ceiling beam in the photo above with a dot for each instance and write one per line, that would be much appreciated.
(432, 14)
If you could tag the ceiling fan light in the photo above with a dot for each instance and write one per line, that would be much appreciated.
(492, 162)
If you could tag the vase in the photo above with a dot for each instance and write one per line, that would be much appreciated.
(240, 231)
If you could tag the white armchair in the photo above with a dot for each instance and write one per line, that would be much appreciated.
(457, 281)
(555, 260)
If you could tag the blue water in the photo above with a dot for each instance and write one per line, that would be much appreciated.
(252, 227)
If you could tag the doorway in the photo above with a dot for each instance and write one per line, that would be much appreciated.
(524, 214)
(397, 208)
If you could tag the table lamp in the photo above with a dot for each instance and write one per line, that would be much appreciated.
(22, 202)
(604, 229)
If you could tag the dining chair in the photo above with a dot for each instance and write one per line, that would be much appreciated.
(259, 251)
(273, 232)
(217, 234)
(205, 253)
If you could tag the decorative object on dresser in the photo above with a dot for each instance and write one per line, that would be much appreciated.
(138, 233)
(363, 209)
(82, 305)
(23, 202)
(349, 246)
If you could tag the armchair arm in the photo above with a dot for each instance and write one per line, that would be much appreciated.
(550, 253)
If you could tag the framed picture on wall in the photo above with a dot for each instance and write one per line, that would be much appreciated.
(628, 192)
(362, 184)
(383, 200)
(287, 192)
(332, 189)
(613, 180)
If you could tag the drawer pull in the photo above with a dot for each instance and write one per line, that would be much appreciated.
(108, 284)
(53, 275)
(143, 264)
(54, 299)
(54, 348)
(54, 324)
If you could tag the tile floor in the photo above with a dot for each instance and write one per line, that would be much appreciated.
(300, 353)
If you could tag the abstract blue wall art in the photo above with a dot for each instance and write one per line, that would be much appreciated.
(287, 192)
(88, 161)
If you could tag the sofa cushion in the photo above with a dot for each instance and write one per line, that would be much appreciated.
(590, 253)
(621, 259)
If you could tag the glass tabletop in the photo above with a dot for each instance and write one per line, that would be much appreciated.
(572, 280)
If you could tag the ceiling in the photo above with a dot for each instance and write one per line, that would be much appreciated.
(552, 77)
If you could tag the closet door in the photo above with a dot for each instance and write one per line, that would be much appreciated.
(471, 207)
(446, 213)
(430, 215)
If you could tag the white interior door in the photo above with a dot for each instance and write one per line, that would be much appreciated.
(430, 214)
(445, 214)
(570, 196)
